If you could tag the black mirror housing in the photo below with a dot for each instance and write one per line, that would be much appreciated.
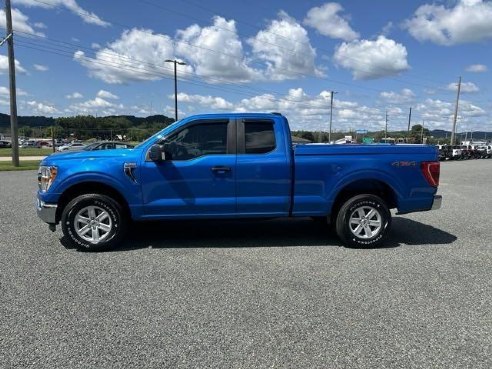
(157, 153)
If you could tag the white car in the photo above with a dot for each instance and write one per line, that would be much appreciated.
(74, 146)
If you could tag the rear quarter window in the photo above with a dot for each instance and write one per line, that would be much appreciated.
(259, 137)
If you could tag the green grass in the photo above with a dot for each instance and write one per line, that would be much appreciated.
(27, 151)
(24, 165)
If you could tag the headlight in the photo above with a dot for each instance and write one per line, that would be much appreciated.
(46, 176)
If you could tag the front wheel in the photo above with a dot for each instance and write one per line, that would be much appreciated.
(363, 221)
(93, 222)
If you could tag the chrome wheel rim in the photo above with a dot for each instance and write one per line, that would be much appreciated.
(365, 222)
(93, 224)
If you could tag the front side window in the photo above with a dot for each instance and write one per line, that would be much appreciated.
(197, 140)
(259, 137)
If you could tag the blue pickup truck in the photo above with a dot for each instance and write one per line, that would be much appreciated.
(235, 166)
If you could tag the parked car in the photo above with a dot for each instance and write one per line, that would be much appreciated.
(456, 153)
(235, 166)
(107, 145)
(74, 146)
(41, 144)
(482, 152)
(4, 143)
(28, 143)
(444, 152)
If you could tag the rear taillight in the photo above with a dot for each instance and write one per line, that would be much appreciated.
(431, 171)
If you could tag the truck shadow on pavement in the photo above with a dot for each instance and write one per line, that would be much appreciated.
(266, 233)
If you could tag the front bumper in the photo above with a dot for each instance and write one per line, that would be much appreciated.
(436, 204)
(47, 212)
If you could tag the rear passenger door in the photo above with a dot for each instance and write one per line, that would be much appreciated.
(263, 173)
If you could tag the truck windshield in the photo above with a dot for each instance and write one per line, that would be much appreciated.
(156, 135)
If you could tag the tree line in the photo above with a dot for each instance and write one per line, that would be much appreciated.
(84, 127)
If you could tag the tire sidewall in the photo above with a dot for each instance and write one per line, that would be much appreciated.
(104, 202)
(343, 221)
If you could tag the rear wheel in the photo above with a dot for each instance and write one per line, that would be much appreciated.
(363, 221)
(93, 222)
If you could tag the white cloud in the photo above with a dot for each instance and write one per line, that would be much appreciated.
(4, 91)
(387, 29)
(106, 95)
(468, 109)
(325, 20)
(477, 68)
(95, 45)
(439, 114)
(97, 105)
(41, 68)
(465, 87)
(4, 65)
(19, 22)
(436, 112)
(311, 112)
(467, 21)
(42, 108)
(75, 95)
(138, 55)
(227, 63)
(372, 59)
(97, 102)
(87, 16)
(212, 102)
(404, 96)
(40, 25)
(285, 48)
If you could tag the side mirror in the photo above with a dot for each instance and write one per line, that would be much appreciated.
(157, 153)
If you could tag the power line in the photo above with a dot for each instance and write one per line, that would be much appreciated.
(213, 12)
(125, 26)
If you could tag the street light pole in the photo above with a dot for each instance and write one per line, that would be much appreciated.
(175, 62)
(331, 115)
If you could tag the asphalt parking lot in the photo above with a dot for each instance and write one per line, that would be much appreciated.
(270, 294)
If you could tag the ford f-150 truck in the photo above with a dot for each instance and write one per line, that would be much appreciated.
(235, 166)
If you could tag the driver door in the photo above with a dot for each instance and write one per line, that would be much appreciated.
(198, 176)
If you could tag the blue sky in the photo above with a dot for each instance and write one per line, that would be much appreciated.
(107, 57)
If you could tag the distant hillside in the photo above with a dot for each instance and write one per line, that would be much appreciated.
(477, 135)
(41, 121)
(32, 121)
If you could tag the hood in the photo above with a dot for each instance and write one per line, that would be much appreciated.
(91, 155)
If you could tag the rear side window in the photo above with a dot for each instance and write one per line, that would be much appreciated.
(259, 137)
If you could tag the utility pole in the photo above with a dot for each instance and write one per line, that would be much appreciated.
(386, 129)
(175, 85)
(13, 98)
(409, 120)
(53, 140)
(332, 93)
(422, 135)
(453, 132)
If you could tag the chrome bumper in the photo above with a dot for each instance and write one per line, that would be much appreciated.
(47, 212)
(437, 202)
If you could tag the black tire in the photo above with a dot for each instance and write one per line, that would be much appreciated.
(108, 222)
(363, 239)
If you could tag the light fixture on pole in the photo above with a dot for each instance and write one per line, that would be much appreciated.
(175, 62)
